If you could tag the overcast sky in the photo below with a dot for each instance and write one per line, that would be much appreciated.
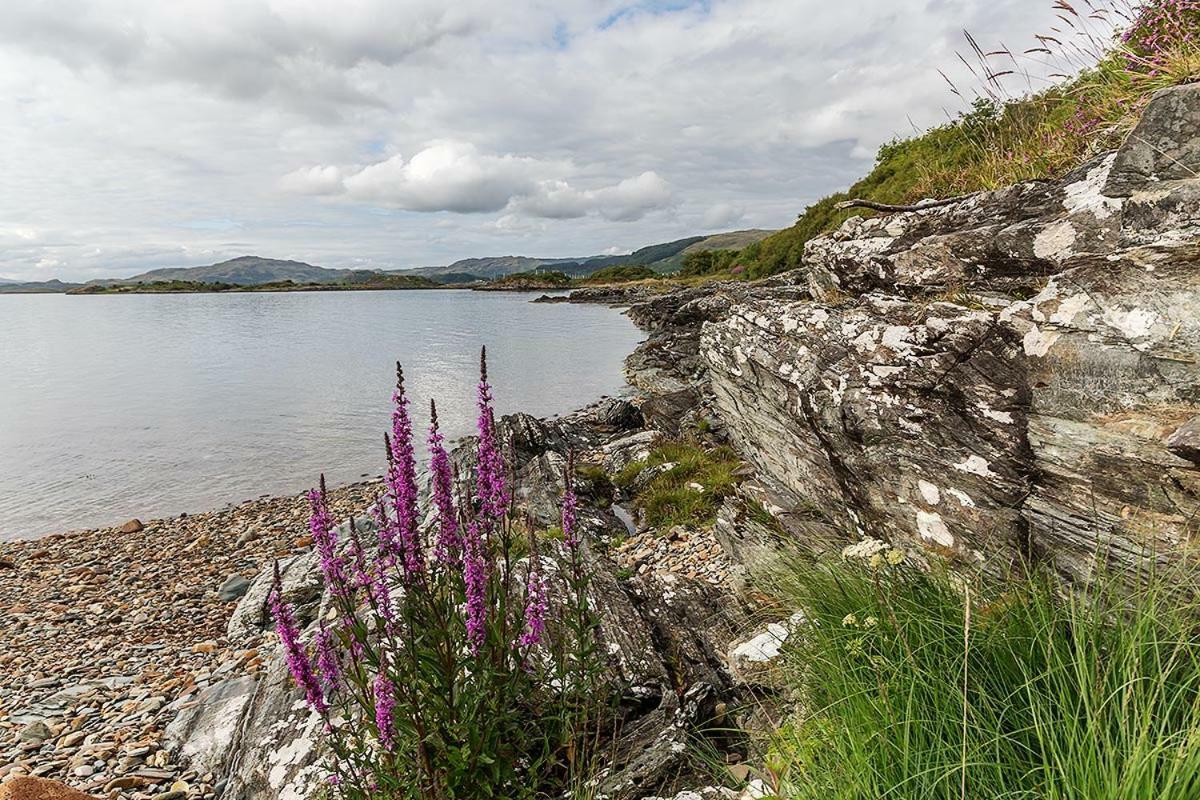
(392, 133)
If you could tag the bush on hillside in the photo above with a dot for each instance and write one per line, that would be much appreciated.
(622, 273)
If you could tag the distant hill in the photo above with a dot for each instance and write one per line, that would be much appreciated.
(257, 271)
(664, 257)
(37, 287)
(241, 271)
(478, 268)
(734, 240)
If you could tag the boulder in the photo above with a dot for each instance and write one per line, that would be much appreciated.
(1164, 145)
(133, 526)
(205, 730)
(1185, 441)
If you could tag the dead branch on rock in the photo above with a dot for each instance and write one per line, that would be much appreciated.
(894, 209)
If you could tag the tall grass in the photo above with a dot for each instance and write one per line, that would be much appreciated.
(916, 687)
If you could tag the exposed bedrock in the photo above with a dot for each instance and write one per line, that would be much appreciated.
(1013, 373)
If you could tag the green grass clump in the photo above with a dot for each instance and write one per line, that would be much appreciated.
(673, 498)
(915, 688)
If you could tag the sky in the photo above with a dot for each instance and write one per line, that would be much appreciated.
(137, 134)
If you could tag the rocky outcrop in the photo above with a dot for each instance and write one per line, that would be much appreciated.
(1010, 375)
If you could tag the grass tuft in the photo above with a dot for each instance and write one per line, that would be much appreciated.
(915, 687)
(688, 493)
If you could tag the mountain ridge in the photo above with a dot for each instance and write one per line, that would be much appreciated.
(252, 270)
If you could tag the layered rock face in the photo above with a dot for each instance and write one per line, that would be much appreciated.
(1013, 374)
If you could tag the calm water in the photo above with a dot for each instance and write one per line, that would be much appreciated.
(114, 407)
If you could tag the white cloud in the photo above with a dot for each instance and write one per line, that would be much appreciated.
(557, 122)
(723, 215)
(455, 176)
(313, 180)
(447, 176)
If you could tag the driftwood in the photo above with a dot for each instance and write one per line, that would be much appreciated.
(893, 209)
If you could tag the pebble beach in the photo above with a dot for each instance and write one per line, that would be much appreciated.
(106, 633)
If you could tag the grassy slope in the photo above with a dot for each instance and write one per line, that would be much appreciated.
(999, 143)
(733, 240)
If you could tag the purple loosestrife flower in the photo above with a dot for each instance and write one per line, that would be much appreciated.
(324, 534)
(289, 637)
(475, 584)
(569, 505)
(448, 549)
(385, 705)
(402, 480)
(493, 493)
(535, 604)
(328, 667)
(358, 559)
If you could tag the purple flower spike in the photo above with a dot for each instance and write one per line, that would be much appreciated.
(328, 667)
(297, 658)
(385, 705)
(324, 535)
(569, 505)
(535, 604)
(402, 481)
(493, 493)
(475, 581)
(448, 549)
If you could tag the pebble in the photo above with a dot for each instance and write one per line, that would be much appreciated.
(108, 632)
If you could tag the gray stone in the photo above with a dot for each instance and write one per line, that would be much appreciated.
(35, 732)
(204, 733)
(1164, 145)
(1185, 441)
(233, 588)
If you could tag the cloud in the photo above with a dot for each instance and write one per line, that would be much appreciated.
(626, 201)
(723, 215)
(457, 177)
(447, 176)
(313, 180)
